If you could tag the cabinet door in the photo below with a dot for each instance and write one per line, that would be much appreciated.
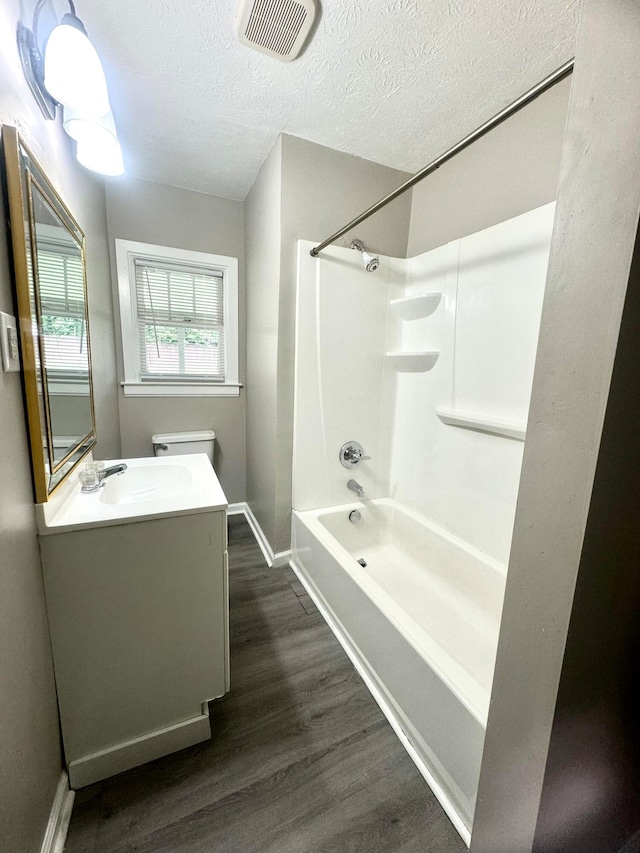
(139, 626)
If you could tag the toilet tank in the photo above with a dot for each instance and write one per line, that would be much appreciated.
(183, 443)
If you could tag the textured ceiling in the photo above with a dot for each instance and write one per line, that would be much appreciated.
(394, 81)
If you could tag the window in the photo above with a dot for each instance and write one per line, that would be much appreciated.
(179, 317)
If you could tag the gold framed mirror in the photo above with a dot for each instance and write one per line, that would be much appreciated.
(51, 295)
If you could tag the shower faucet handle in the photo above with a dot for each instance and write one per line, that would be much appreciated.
(351, 454)
(357, 456)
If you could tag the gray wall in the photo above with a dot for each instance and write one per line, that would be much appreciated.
(168, 216)
(513, 169)
(320, 190)
(70, 414)
(594, 235)
(89, 208)
(30, 758)
(263, 238)
(595, 732)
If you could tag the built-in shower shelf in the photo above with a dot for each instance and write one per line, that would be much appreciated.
(413, 362)
(415, 307)
(481, 423)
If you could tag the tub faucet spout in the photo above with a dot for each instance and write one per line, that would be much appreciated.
(356, 487)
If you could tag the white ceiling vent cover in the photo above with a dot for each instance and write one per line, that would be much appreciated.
(278, 28)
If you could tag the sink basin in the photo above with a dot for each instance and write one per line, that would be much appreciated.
(152, 487)
(144, 483)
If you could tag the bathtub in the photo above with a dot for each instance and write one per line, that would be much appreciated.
(420, 622)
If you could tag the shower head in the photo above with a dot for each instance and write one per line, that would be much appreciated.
(371, 262)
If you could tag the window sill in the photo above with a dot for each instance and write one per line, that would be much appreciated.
(178, 389)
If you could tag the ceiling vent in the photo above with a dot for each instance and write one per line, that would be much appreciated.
(278, 28)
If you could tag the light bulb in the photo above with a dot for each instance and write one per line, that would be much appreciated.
(73, 73)
(102, 157)
(94, 130)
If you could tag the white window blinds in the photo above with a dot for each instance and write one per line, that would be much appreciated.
(180, 317)
(61, 294)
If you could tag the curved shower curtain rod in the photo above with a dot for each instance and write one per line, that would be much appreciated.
(497, 119)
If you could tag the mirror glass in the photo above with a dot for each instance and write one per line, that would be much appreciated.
(60, 300)
(50, 274)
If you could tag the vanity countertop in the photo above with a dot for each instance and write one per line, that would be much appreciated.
(150, 488)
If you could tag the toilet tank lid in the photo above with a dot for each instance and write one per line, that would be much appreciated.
(178, 437)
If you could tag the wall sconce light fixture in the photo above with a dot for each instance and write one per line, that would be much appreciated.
(98, 148)
(69, 72)
(73, 73)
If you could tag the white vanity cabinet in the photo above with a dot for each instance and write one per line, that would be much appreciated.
(138, 614)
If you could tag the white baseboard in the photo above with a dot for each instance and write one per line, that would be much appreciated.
(378, 692)
(263, 542)
(282, 558)
(273, 559)
(100, 765)
(59, 817)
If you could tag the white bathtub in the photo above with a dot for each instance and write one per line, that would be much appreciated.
(421, 622)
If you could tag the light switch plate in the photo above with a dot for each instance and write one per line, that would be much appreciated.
(9, 343)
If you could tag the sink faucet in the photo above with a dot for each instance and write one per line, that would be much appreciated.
(96, 479)
(356, 487)
(120, 468)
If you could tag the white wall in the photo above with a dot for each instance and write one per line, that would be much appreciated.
(169, 216)
(340, 341)
(485, 328)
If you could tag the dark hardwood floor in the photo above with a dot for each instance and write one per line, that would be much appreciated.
(301, 759)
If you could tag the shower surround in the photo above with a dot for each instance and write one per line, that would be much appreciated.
(428, 363)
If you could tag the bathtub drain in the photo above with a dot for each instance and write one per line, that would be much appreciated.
(363, 562)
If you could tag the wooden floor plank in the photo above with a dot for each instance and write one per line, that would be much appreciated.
(301, 758)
